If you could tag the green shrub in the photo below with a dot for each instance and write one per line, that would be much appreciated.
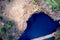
(55, 4)
(1, 18)
(34, 2)
(10, 38)
(58, 32)
(9, 24)
(3, 31)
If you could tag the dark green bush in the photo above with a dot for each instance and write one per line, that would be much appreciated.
(1, 18)
(3, 31)
(10, 37)
(9, 24)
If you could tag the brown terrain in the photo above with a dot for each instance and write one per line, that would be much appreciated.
(19, 11)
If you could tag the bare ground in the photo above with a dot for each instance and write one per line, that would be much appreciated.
(19, 11)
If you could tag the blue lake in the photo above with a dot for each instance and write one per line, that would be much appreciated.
(39, 25)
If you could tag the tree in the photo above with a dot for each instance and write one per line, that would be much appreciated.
(58, 32)
(1, 18)
(9, 24)
(10, 37)
(3, 31)
(55, 5)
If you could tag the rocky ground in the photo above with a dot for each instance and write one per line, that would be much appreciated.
(19, 11)
(44, 7)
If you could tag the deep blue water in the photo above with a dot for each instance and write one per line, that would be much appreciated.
(39, 25)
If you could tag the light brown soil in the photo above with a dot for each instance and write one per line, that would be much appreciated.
(20, 11)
